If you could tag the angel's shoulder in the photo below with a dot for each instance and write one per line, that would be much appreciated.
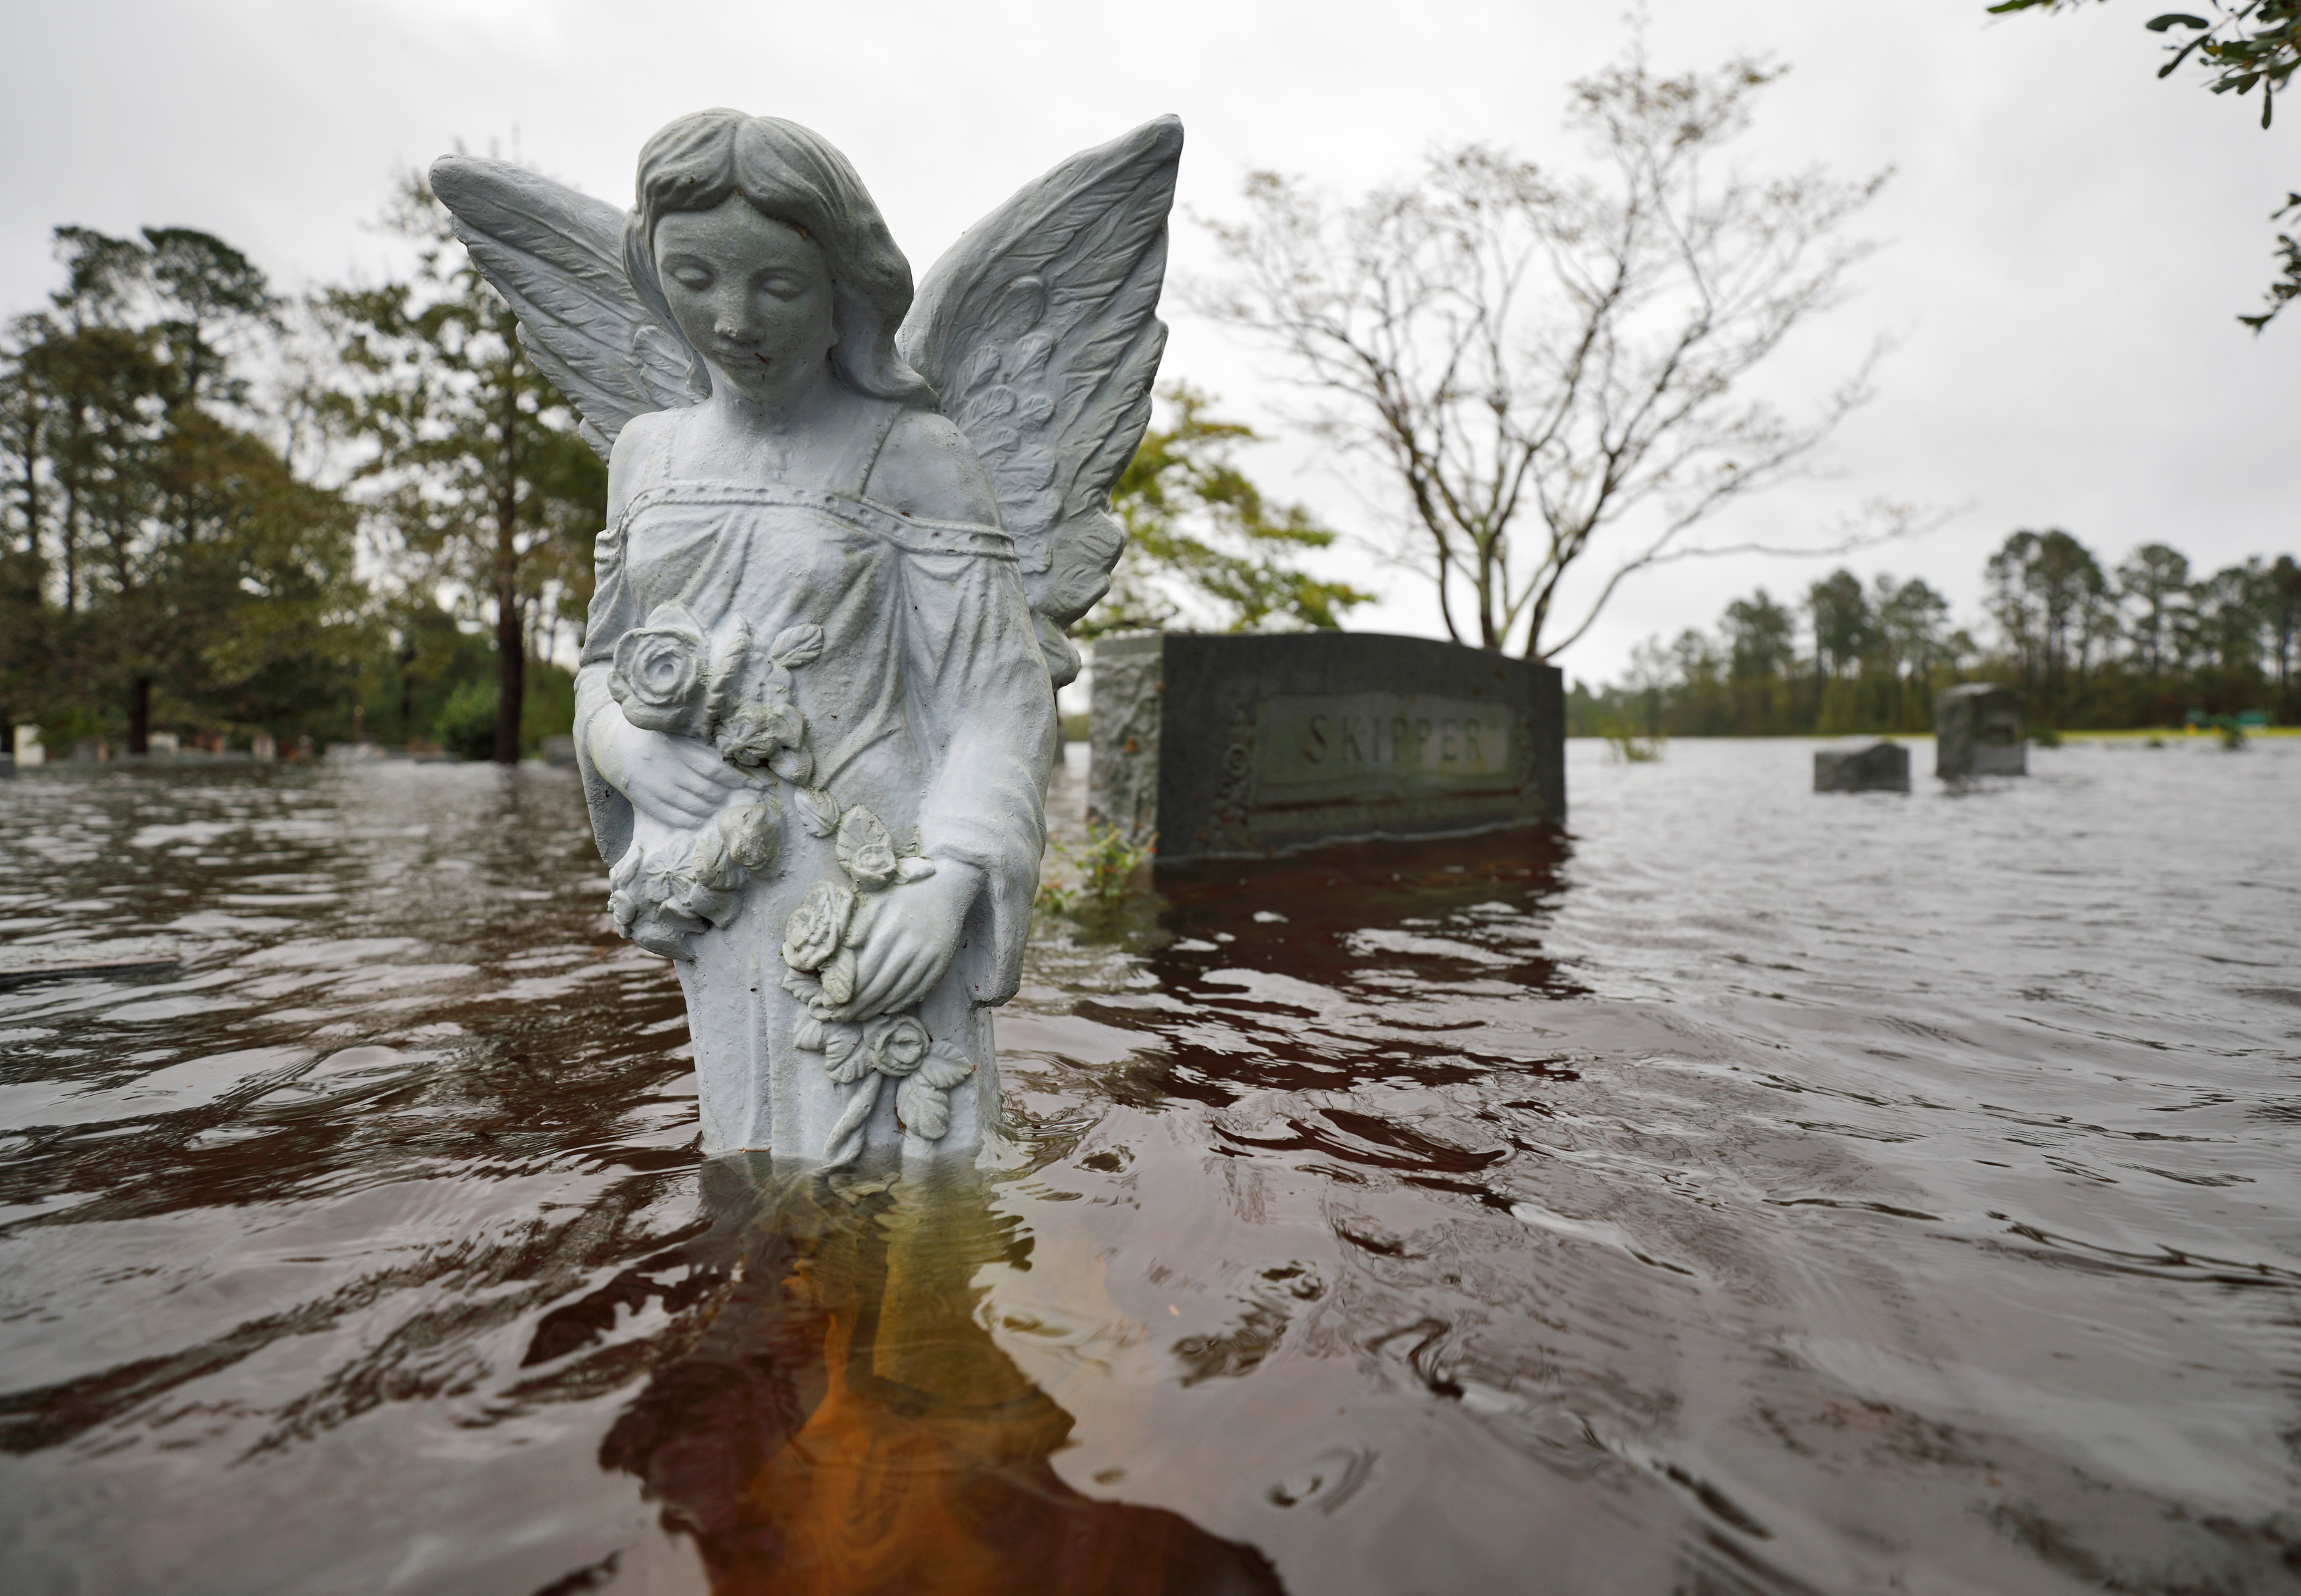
(926, 468)
(644, 436)
(641, 452)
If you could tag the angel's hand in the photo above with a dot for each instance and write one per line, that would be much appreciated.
(912, 939)
(675, 780)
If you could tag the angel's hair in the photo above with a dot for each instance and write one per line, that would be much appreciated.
(793, 176)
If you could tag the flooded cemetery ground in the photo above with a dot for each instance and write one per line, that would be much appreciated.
(1757, 1192)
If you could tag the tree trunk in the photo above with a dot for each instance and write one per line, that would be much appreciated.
(140, 715)
(511, 673)
(408, 693)
(511, 639)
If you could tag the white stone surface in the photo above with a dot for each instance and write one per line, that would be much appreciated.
(847, 532)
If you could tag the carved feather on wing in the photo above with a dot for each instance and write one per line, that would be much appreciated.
(1039, 331)
(557, 257)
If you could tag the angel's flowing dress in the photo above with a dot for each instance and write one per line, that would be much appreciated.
(930, 704)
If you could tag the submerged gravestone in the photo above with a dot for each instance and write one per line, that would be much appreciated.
(1881, 767)
(1230, 746)
(1978, 732)
(848, 529)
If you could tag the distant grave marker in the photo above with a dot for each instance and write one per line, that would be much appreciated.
(1978, 732)
(1881, 767)
(1228, 747)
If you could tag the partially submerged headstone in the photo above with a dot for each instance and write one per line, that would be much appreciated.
(1881, 767)
(51, 961)
(1978, 732)
(1230, 746)
(28, 748)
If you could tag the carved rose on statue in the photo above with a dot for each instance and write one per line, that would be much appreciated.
(754, 733)
(658, 674)
(753, 833)
(713, 864)
(661, 900)
(866, 851)
(812, 935)
(896, 1041)
(818, 812)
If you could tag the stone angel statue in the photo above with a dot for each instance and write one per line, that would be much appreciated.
(847, 530)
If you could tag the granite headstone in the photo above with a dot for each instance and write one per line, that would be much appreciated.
(1230, 746)
(1978, 732)
(1881, 767)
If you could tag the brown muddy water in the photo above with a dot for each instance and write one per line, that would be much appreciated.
(1757, 1192)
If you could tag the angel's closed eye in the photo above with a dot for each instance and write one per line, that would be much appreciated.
(783, 285)
(690, 275)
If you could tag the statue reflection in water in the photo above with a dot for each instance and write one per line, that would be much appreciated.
(841, 1423)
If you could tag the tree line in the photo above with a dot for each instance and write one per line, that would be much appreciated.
(2091, 647)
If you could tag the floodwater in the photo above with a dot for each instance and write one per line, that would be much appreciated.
(1758, 1191)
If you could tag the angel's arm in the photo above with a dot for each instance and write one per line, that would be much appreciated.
(612, 613)
(675, 779)
(978, 690)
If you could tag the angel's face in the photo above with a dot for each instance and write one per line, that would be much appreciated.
(751, 293)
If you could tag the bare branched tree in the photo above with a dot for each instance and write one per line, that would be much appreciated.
(1535, 358)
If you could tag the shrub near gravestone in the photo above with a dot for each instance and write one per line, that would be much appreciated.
(466, 726)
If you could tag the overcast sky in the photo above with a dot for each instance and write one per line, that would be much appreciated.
(2067, 238)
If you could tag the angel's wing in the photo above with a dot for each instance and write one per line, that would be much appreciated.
(557, 257)
(1038, 331)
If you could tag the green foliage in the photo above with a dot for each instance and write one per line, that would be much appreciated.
(1199, 533)
(2241, 45)
(160, 549)
(1630, 749)
(466, 726)
(474, 464)
(550, 707)
(2244, 44)
(1105, 863)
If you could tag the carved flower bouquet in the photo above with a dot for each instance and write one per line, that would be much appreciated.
(819, 944)
(670, 676)
(672, 884)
